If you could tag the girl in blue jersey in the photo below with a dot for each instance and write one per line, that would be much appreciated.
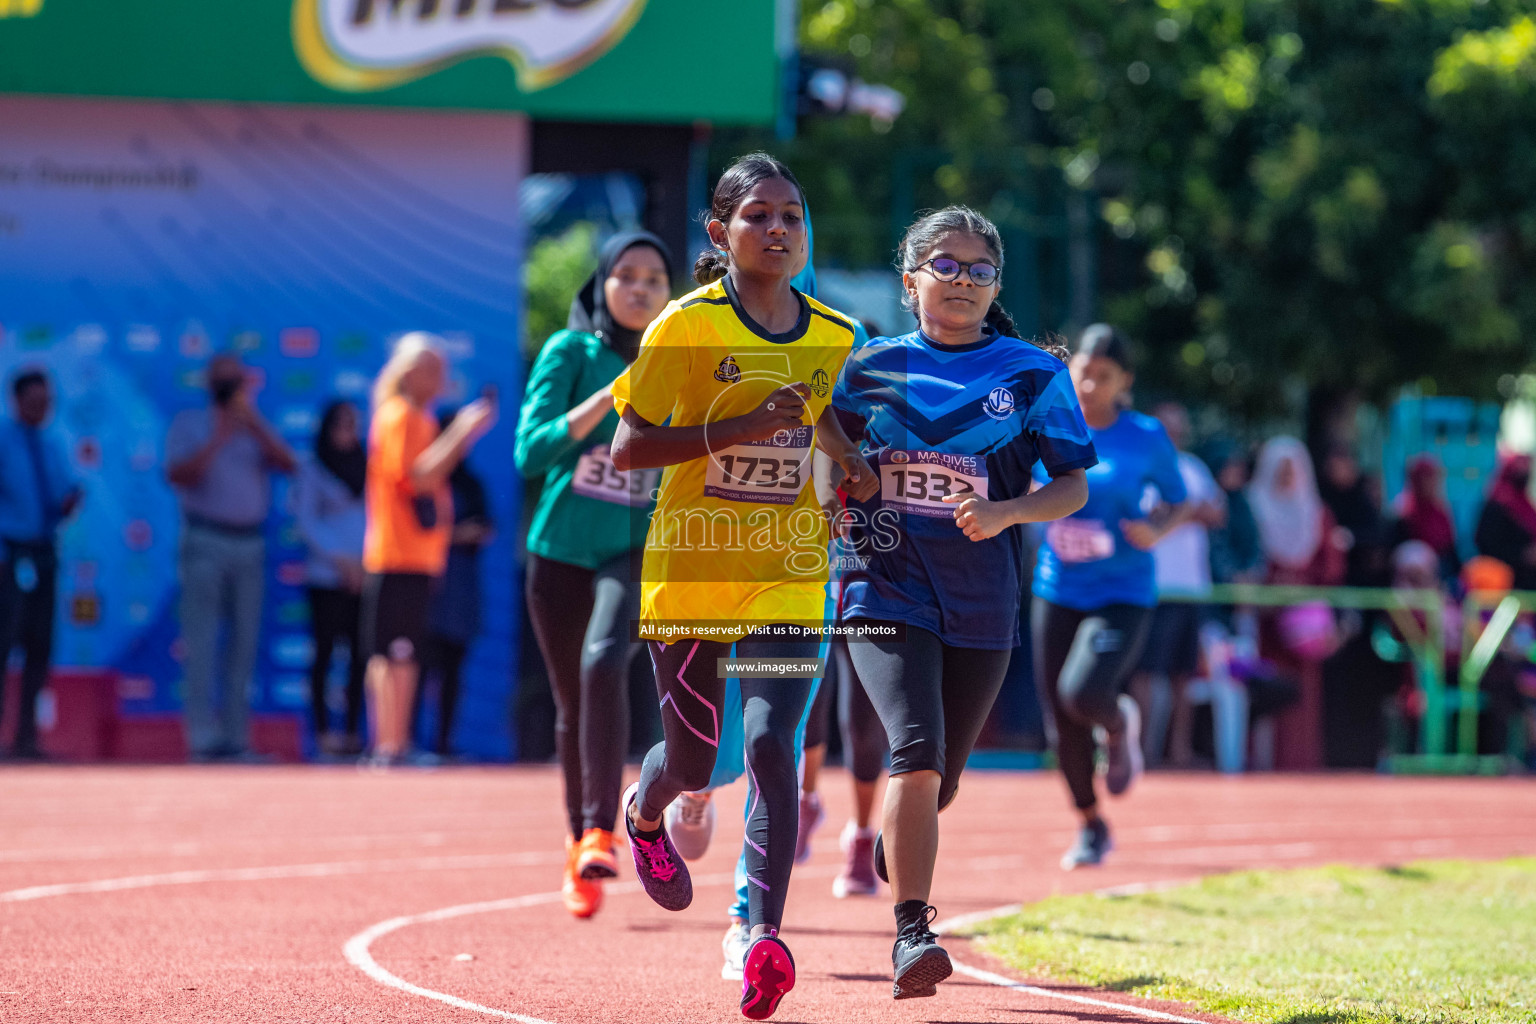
(1094, 585)
(955, 414)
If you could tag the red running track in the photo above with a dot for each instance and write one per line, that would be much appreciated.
(270, 894)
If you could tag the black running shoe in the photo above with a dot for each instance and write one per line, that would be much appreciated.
(920, 962)
(880, 857)
(1093, 843)
(662, 873)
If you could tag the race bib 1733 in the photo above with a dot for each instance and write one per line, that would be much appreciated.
(917, 482)
(770, 472)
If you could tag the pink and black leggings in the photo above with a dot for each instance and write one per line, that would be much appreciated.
(691, 689)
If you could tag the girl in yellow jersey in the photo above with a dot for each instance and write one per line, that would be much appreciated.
(730, 392)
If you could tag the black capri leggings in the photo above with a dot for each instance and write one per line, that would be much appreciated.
(933, 698)
(581, 618)
(1082, 660)
(689, 680)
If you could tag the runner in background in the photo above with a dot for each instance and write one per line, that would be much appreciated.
(409, 522)
(1095, 587)
(956, 413)
(720, 395)
(583, 587)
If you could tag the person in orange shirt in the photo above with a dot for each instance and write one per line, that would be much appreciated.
(410, 520)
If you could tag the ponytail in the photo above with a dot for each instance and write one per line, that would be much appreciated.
(711, 266)
(1054, 344)
(999, 320)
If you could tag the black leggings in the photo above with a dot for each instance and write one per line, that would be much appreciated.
(335, 616)
(688, 679)
(443, 659)
(932, 697)
(582, 618)
(1082, 660)
(863, 735)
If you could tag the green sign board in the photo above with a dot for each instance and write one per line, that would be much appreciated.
(629, 60)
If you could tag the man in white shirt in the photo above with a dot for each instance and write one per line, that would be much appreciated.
(1183, 560)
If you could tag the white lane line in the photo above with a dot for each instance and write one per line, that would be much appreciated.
(359, 954)
(321, 870)
(965, 922)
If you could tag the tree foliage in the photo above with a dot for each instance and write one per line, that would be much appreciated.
(1332, 193)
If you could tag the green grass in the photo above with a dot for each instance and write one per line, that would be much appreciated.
(1428, 943)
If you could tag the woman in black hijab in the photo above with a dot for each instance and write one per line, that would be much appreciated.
(328, 510)
(584, 541)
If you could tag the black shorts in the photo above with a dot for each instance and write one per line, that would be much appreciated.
(1173, 641)
(395, 614)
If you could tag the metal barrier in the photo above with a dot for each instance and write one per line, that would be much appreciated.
(1426, 649)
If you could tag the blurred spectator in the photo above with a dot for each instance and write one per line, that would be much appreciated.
(1297, 533)
(410, 523)
(1302, 547)
(454, 620)
(1506, 530)
(1183, 567)
(1349, 496)
(1236, 556)
(219, 459)
(1425, 515)
(37, 493)
(328, 510)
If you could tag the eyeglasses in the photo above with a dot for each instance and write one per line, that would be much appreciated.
(981, 272)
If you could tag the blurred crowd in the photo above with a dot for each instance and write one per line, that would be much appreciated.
(1306, 684)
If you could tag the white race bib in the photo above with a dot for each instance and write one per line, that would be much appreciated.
(1080, 540)
(770, 472)
(916, 482)
(597, 477)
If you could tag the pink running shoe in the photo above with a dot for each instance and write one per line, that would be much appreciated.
(811, 816)
(767, 977)
(661, 871)
(858, 875)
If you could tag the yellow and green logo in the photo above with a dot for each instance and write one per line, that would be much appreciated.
(365, 45)
(20, 8)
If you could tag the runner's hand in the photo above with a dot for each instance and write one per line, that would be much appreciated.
(1140, 533)
(859, 478)
(784, 409)
(978, 518)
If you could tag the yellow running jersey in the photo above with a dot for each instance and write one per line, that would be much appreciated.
(738, 539)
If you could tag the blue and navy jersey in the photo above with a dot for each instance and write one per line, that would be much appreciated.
(1085, 562)
(939, 420)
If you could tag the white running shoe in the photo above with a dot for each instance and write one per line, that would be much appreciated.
(738, 939)
(1125, 763)
(690, 823)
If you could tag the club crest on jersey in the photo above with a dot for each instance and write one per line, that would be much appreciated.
(363, 45)
(728, 372)
(999, 404)
(820, 383)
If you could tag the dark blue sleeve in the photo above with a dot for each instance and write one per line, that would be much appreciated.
(1055, 424)
(847, 401)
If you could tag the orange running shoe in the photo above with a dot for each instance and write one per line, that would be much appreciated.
(594, 856)
(582, 897)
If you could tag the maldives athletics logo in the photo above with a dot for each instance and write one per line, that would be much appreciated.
(363, 45)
